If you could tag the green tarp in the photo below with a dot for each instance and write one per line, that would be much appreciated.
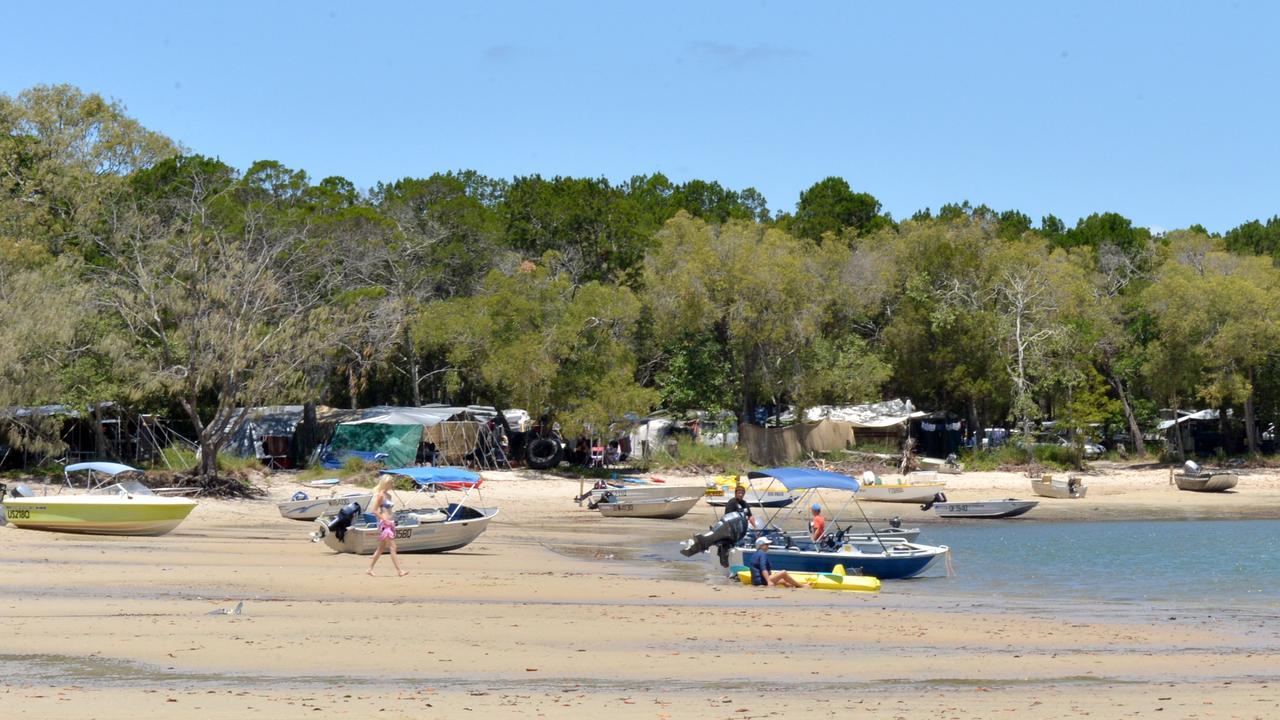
(399, 442)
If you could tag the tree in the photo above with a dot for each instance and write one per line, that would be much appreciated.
(206, 312)
(830, 206)
(533, 338)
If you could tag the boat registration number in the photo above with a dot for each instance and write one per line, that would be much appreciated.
(403, 533)
(17, 513)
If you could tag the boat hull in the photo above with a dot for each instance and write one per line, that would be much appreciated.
(647, 492)
(901, 493)
(984, 508)
(315, 507)
(1219, 482)
(894, 564)
(753, 499)
(416, 532)
(146, 515)
(1058, 489)
(657, 508)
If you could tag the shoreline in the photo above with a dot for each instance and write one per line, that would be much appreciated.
(534, 618)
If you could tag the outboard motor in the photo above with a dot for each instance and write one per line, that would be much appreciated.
(938, 498)
(299, 496)
(339, 524)
(21, 491)
(723, 535)
(1191, 468)
(895, 522)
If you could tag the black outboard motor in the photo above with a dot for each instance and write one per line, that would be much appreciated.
(723, 535)
(21, 491)
(940, 497)
(895, 522)
(339, 524)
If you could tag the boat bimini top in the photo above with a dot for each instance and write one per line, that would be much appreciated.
(107, 471)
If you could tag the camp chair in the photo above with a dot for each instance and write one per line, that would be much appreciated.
(597, 457)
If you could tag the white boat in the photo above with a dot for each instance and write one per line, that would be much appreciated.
(302, 507)
(642, 492)
(1062, 488)
(914, 487)
(426, 530)
(1010, 507)
(668, 508)
(128, 508)
(949, 466)
(1207, 481)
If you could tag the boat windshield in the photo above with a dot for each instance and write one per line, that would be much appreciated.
(130, 487)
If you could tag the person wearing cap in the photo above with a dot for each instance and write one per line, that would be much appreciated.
(762, 572)
(818, 525)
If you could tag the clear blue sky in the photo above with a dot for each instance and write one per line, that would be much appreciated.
(1163, 111)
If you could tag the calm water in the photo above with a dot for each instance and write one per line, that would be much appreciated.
(1234, 562)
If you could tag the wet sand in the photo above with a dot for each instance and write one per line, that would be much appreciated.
(557, 612)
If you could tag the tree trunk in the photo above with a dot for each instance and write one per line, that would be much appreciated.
(1135, 432)
(1177, 434)
(306, 434)
(353, 386)
(411, 355)
(975, 426)
(208, 467)
(1250, 425)
(1224, 431)
(102, 444)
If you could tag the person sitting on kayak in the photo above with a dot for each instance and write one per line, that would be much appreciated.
(818, 525)
(762, 572)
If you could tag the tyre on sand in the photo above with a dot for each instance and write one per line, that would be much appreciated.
(544, 453)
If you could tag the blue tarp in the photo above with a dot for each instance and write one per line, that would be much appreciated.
(806, 479)
(429, 475)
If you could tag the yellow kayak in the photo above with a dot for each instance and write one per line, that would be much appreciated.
(834, 580)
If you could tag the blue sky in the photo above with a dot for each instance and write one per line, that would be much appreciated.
(1162, 111)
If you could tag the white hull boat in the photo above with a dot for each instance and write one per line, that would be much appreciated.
(1051, 487)
(1010, 507)
(668, 508)
(1207, 481)
(426, 531)
(644, 492)
(305, 508)
(900, 492)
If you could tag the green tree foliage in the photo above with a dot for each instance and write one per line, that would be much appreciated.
(831, 206)
(533, 338)
(1255, 237)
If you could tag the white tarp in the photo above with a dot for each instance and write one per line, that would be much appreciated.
(1201, 415)
(872, 415)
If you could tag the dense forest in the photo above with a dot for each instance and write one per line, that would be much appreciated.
(135, 270)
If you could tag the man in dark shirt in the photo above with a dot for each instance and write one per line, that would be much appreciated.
(762, 572)
(738, 503)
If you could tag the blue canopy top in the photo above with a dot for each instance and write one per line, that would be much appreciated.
(430, 475)
(106, 468)
(794, 478)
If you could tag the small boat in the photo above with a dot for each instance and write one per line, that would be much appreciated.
(668, 508)
(640, 492)
(720, 490)
(1051, 487)
(1207, 481)
(914, 488)
(948, 466)
(426, 530)
(127, 508)
(883, 559)
(1010, 507)
(302, 507)
(1197, 480)
(837, 579)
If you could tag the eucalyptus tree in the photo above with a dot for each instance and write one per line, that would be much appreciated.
(760, 293)
(201, 287)
(534, 337)
(1218, 317)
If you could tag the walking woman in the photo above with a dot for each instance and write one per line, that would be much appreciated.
(381, 506)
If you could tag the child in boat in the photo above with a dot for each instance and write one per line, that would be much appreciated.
(817, 526)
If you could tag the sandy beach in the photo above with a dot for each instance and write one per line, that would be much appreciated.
(557, 612)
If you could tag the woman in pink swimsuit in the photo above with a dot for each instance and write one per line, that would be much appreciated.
(381, 506)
